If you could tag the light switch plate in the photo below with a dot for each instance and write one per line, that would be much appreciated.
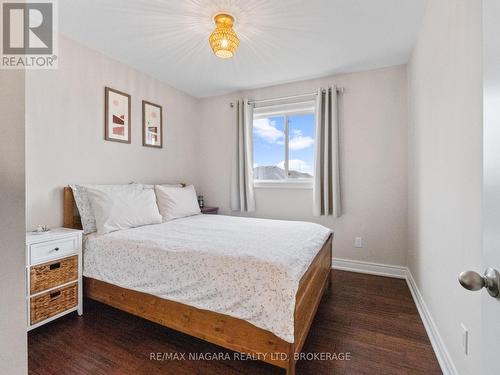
(358, 242)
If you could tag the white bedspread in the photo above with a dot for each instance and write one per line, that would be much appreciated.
(243, 267)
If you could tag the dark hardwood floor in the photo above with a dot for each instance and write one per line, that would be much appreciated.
(372, 318)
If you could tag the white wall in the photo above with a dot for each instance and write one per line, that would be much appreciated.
(373, 166)
(13, 345)
(65, 130)
(445, 169)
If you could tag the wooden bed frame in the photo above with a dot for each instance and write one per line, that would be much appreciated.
(228, 332)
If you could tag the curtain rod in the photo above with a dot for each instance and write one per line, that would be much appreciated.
(339, 90)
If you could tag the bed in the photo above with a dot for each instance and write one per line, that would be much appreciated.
(191, 275)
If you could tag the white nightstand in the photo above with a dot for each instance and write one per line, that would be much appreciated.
(53, 274)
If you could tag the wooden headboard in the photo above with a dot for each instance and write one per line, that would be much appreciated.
(71, 216)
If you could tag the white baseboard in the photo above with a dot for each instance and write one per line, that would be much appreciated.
(401, 272)
(440, 350)
(369, 268)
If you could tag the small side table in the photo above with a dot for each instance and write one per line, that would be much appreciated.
(53, 274)
(209, 210)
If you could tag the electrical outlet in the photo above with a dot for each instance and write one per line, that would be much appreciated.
(358, 242)
(465, 338)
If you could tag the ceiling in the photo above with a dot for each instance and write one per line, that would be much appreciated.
(281, 40)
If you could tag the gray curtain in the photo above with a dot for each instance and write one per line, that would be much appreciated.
(326, 201)
(242, 194)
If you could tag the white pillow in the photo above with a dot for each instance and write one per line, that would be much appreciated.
(123, 209)
(82, 201)
(176, 202)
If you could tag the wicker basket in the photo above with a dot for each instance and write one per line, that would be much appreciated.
(52, 274)
(52, 303)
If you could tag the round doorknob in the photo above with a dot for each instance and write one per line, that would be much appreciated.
(473, 281)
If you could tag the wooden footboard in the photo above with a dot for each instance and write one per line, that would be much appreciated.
(311, 289)
(220, 329)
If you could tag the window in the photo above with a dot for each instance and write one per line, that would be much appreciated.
(283, 145)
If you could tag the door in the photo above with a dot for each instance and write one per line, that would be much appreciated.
(490, 305)
(490, 341)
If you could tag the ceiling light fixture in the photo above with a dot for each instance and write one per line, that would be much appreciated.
(223, 39)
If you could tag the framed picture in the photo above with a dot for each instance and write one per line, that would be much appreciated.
(117, 116)
(152, 125)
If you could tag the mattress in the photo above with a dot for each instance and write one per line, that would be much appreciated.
(246, 268)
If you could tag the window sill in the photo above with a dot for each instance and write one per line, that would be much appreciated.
(276, 184)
